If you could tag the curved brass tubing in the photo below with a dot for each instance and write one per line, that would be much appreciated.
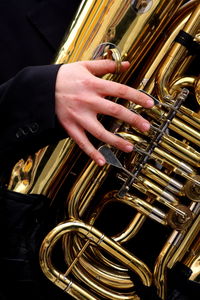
(93, 236)
(174, 250)
(172, 62)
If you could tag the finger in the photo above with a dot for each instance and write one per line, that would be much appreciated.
(114, 89)
(97, 130)
(106, 107)
(105, 66)
(80, 138)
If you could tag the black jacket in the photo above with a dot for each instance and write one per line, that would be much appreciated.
(31, 32)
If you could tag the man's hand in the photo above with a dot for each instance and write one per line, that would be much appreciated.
(80, 97)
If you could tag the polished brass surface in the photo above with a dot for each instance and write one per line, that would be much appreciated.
(193, 260)
(156, 185)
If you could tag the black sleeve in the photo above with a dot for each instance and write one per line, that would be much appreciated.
(27, 111)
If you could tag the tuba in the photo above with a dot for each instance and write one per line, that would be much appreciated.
(130, 229)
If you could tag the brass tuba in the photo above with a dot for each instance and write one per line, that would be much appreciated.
(131, 222)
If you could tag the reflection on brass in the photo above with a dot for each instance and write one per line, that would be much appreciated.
(109, 51)
(197, 37)
(197, 90)
(192, 189)
(93, 236)
(192, 260)
(140, 4)
(176, 249)
(158, 182)
(179, 222)
(141, 205)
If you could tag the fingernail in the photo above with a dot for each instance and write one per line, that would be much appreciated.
(155, 101)
(129, 148)
(146, 126)
(101, 162)
(150, 102)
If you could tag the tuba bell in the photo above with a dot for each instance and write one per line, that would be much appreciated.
(132, 226)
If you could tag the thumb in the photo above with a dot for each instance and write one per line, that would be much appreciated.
(104, 66)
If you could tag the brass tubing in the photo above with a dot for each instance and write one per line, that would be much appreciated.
(48, 181)
(171, 159)
(197, 92)
(192, 156)
(98, 238)
(140, 205)
(117, 277)
(167, 179)
(192, 260)
(63, 282)
(114, 265)
(155, 189)
(116, 250)
(188, 238)
(176, 246)
(149, 210)
(92, 184)
(90, 262)
(85, 188)
(190, 116)
(183, 82)
(178, 129)
(175, 56)
(166, 186)
(94, 283)
(162, 81)
(83, 270)
(110, 29)
(133, 228)
(186, 128)
(147, 75)
(178, 154)
(160, 267)
(144, 208)
(178, 126)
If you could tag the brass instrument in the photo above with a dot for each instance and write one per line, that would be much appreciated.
(156, 186)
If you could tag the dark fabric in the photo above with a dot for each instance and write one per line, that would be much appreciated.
(180, 287)
(24, 221)
(31, 32)
(22, 218)
(31, 122)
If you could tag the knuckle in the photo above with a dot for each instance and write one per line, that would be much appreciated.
(122, 91)
(76, 99)
(86, 82)
(81, 145)
(76, 102)
(115, 109)
(89, 83)
(136, 120)
(100, 134)
(92, 154)
(118, 142)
